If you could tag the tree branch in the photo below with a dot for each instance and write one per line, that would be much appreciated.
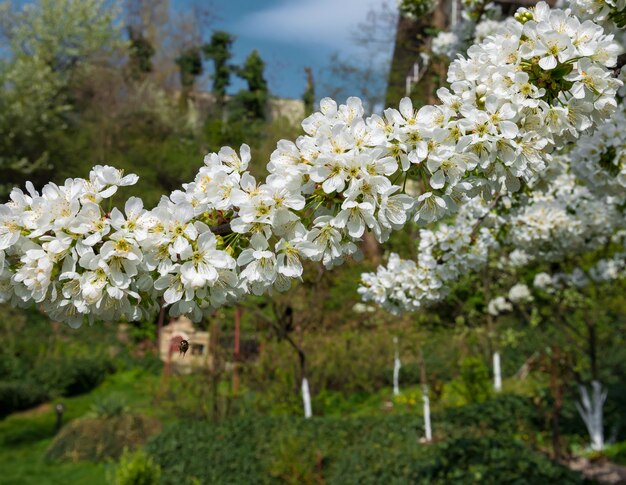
(482, 218)
(621, 60)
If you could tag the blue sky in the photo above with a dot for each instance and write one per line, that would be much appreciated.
(292, 34)
(289, 34)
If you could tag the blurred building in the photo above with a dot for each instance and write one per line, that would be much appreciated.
(233, 346)
(291, 109)
(180, 329)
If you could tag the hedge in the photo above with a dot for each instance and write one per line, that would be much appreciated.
(363, 450)
(65, 376)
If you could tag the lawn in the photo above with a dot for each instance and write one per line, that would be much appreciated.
(25, 436)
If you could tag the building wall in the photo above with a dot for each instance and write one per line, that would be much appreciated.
(198, 354)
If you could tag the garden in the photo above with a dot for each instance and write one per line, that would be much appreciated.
(421, 282)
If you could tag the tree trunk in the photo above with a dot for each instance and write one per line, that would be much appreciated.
(428, 433)
(396, 370)
(557, 394)
(160, 325)
(236, 350)
(306, 398)
(591, 409)
(497, 374)
(215, 371)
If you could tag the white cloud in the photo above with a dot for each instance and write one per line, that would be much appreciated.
(328, 23)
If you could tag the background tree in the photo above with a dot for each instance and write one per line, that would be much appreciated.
(190, 67)
(253, 101)
(141, 52)
(50, 47)
(219, 51)
(309, 94)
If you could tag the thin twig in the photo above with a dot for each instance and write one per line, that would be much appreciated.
(480, 220)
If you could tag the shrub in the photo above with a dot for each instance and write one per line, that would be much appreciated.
(70, 376)
(18, 395)
(98, 439)
(136, 469)
(352, 451)
(507, 413)
(109, 406)
(473, 385)
(617, 452)
(493, 460)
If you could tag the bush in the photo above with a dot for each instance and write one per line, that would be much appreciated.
(109, 406)
(136, 469)
(493, 460)
(355, 451)
(18, 395)
(71, 376)
(616, 452)
(67, 376)
(97, 439)
(507, 413)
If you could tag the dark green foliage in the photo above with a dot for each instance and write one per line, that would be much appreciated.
(70, 376)
(18, 395)
(493, 460)
(66, 376)
(219, 51)
(109, 406)
(617, 452)
(251, 103)
(37, 363)
(506, 413)
(350, 451)
(309, 95)
(140, 52)
(619, 17)
(190, 66)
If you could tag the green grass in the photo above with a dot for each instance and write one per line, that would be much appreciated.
(25, 436)
(24, 465)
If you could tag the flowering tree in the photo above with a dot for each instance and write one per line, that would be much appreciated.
(540, 82)
(573, 206)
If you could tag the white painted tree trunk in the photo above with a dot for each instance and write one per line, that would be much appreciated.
(306, 398)
(591, 409)
(396, 370)
(427, 427)
(497, 373)
(454, 14)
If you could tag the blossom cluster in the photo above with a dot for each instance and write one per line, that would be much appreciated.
(557, 215)
(560, 219)
(608, 13)
(444, 254)
(515, 97)
(605, 270)
(555, 219)
(478, 21)
(416, 9)
(600, 159)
